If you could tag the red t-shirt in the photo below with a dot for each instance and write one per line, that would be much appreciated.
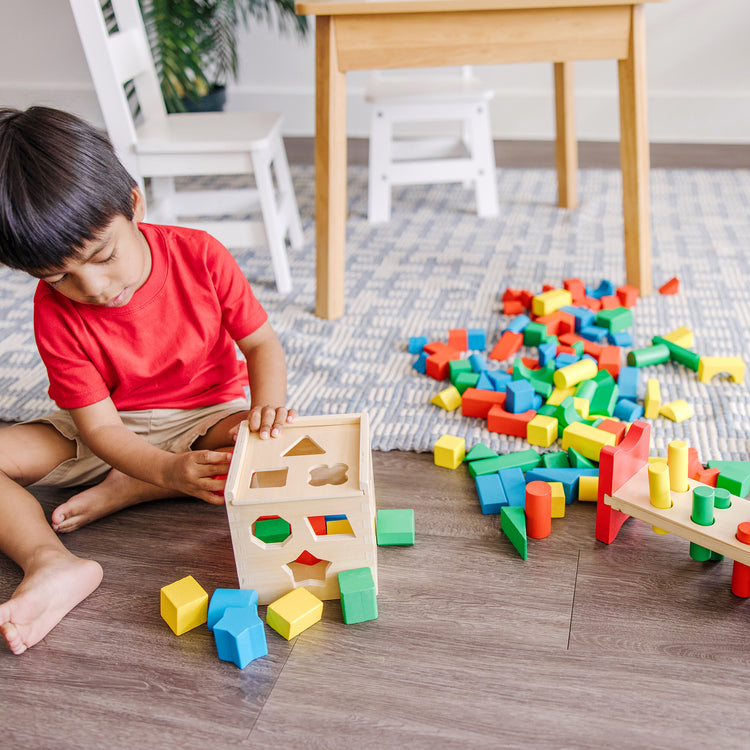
(171, 346)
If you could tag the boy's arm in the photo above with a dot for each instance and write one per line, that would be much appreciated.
(189, 473)
(266, 370)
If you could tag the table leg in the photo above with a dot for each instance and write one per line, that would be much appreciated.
(330, 172)
(634, 156)
(566, 146)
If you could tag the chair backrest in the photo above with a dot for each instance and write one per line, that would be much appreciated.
(115, 59)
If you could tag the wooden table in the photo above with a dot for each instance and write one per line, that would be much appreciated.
(380, 34)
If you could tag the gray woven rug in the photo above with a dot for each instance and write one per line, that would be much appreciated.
(437, 266)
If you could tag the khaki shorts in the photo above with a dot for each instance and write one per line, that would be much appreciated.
(173, 430)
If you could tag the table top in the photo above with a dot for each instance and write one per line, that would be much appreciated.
(358, 7)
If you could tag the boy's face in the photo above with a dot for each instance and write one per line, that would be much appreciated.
(112, 267)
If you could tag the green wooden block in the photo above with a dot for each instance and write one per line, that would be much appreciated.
(359, 602)
(272, 530)
(513, 525)
(535, 334)
(464, 380)
(556, 460)
(482, 466)
(578, 461)
(733, 476)
(605, 398)
(524, 460)
(394, 527)
(479, 451)
(615, 319)
(679, 354)
(458, 366)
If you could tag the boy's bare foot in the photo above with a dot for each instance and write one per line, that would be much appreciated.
(57, 583)
(115, 492)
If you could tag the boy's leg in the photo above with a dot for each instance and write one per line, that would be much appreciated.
(54, 579)
(220, 435)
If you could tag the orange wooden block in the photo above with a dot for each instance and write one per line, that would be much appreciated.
(628, 295)
(477, 403)
(591, 303)
(694, 464)
(458, 338)
(505, 423)
(513, 307)
(609, 359)
(707, 476)
(437, 365)
(558, 322)
(589, 347)
(618, 429)
(538, 509)
(609, 302)
(576, 288)
(671, 287)
(510, 342)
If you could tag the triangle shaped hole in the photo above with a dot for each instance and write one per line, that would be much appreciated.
(305, 446)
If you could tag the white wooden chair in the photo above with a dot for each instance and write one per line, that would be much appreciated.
(397, 160)
(162, 146)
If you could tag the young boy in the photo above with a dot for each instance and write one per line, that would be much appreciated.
(136, 325)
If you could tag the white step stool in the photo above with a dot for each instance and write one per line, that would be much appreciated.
(469, 159)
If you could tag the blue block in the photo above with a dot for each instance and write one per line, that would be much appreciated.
(593, 333)
(421, 364)
(477, 362)
(627, 410)
(477, 339)
(240, 636)
(484, 383)
(500, 379)
(568, 477)
(519, 396)
(491, 493)
(605, 289)
(621, 338)
(547, 353)
(224, 598)
(583, 315)
(564, 359)
(416, 344)
(514, 486)
(518, 324)
(627, 381)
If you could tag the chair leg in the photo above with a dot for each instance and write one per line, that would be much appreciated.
(379, 186)
(483, 155)
(163, 208)
(287, 196)
(272, 220)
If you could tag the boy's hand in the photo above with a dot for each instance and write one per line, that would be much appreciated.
(267, 421)
(200, 474)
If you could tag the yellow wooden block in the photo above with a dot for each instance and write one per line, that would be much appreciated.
(184, 605)
(547, 302)
(542, 431)
(449, 451)
(677, 411)
(559, 395)
(657, 459)
(652, 402)
(582, 405)
(710, 366)
(587, 440)
(558, 499)
(294, 612)
(448, 399)
(681, 336)
(339, 526)
(584, 369)
(588, 489)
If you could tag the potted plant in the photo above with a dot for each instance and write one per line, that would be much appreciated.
(194, 43)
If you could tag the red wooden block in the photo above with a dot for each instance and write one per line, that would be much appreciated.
(437, 365)
(318, 524)
(671, 287)
(707, 476)
(618, 429)
(526, 297)
(499, 420)
(558, 322)
(617, 464)
(510, 342)
(592, 303)
(628, 295)
(565, 349)
(609, 360)
(458, 338)
(538, 509)
(477, 403)
(589, 347)
(511, 294)
(307, 558)
(609, 302)
(694, 464)
(436, 346)
(576, 288)
(513, 307)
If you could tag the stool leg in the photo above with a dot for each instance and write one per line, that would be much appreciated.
(483, 156)
(379, 185)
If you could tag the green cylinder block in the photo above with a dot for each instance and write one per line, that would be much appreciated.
(722, 498)
(651, 355)
(680, 354)
(703, 506)
(701, 554)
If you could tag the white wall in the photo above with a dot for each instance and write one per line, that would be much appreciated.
(698, 72)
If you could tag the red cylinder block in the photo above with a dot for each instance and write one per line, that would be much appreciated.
(538, 510)
(740, 571)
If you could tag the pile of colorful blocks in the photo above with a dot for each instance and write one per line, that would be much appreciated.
(576, 390)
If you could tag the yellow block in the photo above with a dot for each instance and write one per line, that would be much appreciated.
(710, 366)
(542, 430)
(658, 488)
(558, 499)
(184, 605)
(652, 402)
(547, 302)
(339, 526)
(559, 395)
(587, 440)
(677, 411)
(449, 451)
(677, 463)
(588, 489)
(448, 399)
(294, 612)
(681, 336)
(584, 369)
(582, 406)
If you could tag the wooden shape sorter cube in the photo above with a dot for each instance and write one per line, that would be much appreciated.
(317, 467)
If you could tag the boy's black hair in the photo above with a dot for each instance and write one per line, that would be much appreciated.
(60, 186)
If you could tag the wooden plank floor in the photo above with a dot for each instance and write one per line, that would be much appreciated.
(583, 645)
